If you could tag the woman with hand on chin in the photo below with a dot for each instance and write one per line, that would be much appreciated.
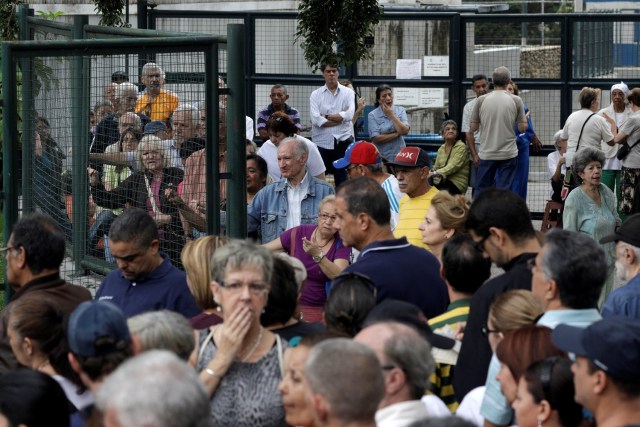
(388, 123)
(321, 250)
(240, 361)
(591, 207)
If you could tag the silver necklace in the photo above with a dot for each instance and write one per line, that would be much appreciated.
(255, 346)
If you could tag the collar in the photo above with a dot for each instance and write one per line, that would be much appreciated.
(325, 88)
(520, 259)
(574, 317)
(42, 282)
(303, 184)
(462, 302)
(272, 110)
(385, 245)
(403, 411)
(162, 270)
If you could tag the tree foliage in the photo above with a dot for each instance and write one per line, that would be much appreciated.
(335, 31)
(110, 12)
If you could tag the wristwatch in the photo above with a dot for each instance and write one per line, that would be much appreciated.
(318, 258)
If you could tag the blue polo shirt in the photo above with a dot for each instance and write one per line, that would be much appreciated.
(624, 301)
(404, 272)
(165, 288)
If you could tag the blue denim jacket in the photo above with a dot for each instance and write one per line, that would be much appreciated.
(268, 211)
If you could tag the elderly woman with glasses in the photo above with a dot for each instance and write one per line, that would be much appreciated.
(239, 360)
(591, 207)
(279, 127)
(322, 252)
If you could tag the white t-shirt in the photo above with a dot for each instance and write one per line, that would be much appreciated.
(269, 152)
(595, 132)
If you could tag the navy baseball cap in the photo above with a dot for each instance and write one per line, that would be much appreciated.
(629, 232)
(612, 344)
(155, 126)
(93, 320)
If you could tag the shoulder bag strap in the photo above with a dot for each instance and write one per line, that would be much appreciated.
(280, 355)
(583, 125)
(204, 345)
(151, 198)
(292, 250)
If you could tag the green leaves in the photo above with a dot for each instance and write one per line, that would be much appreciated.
(111, 11)
(334, 31)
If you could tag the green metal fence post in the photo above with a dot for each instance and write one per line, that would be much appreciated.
(80, 118)
(236, 158)
(28, 113)
(10, 146)
(212, 153)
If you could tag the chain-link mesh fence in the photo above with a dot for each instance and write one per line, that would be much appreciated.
(116, 123)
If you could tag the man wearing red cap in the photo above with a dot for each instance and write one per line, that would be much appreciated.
(362, 158)
(412, 166)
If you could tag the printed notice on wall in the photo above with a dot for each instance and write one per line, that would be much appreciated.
(406, 96)
(418, 97)
(436, 66)
(408, 69)
(431, 98)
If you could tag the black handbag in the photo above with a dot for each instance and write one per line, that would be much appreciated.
(624, 150)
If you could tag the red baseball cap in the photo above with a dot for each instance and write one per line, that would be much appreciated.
(411, 157)
(359, 153)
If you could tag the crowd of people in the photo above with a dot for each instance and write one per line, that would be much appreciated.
(371, 302)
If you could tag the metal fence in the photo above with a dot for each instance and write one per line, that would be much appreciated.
(56, 108)
(551, 57)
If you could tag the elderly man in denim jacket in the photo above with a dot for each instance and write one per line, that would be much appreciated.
(291, 201)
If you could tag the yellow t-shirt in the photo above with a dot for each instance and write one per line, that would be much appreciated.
(412, 212)
(161, 108)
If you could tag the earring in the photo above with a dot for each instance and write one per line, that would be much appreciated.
(539, 422)
(218, 307)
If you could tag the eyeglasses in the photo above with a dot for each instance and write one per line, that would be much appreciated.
(531, 264)
(257, 288)
(479, 245)
(362, 278)
(350, 168)
(327, 218)
(7, 248)
(486, 331)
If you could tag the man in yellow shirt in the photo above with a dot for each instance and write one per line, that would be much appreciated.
(156, 102)
(412, 166)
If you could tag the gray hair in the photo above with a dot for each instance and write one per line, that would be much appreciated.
(348, 375)
(557, 137)
(576, 263)
(409, 351)
(299, 270)
(586, 155)
(501, 76)
(238, 254)
(280, 86)
(152, 66)
(123, 88)
(152, 142)
(103, 104)
(634, 249)
(155, 389)
(331, 198)
(195, 116)
(447, 123)
(299, 148)
(163, 330)
(136, 118)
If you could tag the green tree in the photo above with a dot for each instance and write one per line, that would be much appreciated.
(335, 31)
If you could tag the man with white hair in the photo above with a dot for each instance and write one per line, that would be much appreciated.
(156, 102)
(625, 301)
(185, 142)
(154, 389)
(619, 111)
(290, 201)
(109, 129)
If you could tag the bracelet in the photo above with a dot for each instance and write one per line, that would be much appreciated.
(212, 373)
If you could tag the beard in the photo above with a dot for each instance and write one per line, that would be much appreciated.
(620, 271)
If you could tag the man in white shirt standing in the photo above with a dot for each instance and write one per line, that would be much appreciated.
(332, 108)
(480, 87)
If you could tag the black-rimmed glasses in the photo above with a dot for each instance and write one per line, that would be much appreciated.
(486, 331)
(479, 245)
